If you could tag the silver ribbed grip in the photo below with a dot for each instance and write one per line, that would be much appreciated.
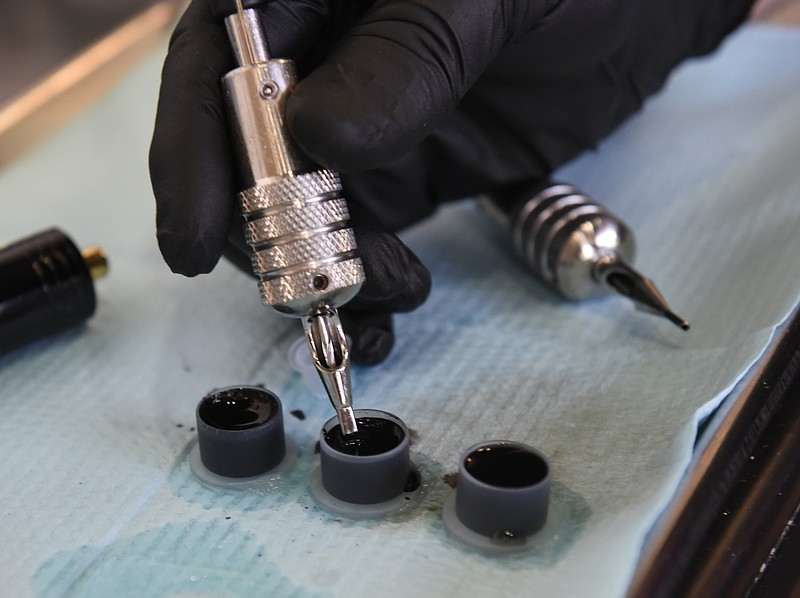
(561, 234)
(304, 251)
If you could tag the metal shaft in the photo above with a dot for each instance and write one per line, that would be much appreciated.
(296, 221)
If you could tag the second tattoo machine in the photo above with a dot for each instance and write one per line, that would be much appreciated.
(577, 247)
(296, 221)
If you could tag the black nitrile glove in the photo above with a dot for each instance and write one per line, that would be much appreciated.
(415, 103)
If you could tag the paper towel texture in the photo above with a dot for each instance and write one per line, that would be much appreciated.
(96, 424)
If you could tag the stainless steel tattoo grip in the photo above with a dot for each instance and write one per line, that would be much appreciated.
(577, 247)
(296, 221)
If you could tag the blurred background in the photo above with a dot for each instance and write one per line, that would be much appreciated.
(57, 56)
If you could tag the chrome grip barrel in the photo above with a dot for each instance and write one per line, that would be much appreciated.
(562, 235)
(296, 221)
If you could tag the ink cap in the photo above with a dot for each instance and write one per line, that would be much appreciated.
(240, 431)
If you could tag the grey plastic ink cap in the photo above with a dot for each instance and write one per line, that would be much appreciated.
(365, 478)
(240, 431)
(503, 489)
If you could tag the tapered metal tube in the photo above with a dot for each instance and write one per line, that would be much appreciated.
(331, 358)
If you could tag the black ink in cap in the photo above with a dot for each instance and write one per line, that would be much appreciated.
(240, 431)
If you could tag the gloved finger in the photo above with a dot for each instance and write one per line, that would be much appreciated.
(191, 166)
(190, 163)
(396, 279)
(396, 73)
(305, 31)
(292, 27)
(462, 158)
(371, 335)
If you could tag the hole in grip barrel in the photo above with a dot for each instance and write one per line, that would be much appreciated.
(303, 251)
(303, 221)
(290, 190)
(295, 293)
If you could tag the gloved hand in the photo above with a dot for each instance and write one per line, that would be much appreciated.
(415, 103)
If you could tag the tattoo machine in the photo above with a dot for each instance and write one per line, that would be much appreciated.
(577, 247)
(296, 221)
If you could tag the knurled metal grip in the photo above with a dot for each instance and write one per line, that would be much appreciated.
(303, 247)
(287, 190)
